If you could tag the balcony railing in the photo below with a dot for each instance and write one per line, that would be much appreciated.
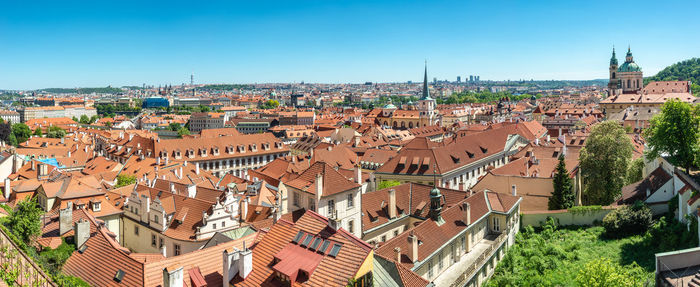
(486, 255)
(17, 266)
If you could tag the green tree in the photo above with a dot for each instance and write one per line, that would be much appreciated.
(21, 132)
(675, 132)
(634, 172)
(604, 162)
(12, 140)
(24, 221)
(84, 119)
(270, 104)
(94, 119)
(387, 184)
(603, 273)
(174, 127)
(563, 196)
(108, 124)
(55, 132)
(125, 179)
(37, 132)
(182, 132)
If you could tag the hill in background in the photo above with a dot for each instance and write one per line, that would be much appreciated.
(688, 70)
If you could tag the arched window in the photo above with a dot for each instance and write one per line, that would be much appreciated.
(638, 85)
(629, 84)
(410, 125)
(403, 124)
(613, 75)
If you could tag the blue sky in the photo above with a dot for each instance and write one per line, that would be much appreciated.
(95, 43)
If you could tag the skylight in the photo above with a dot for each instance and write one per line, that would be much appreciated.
(307, 240)
(119, 276)
(324, 246)
(317, 241)
(334, 250)
(298, 237)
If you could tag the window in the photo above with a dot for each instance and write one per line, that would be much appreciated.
(312, 204)
(331, 207)
(214, 225)
(396, 233)
(136, 230)
(496, 224)
(350, 200)
(383, 238)
(177, 249)
(440, 260)
(296, 198)
(160, 242)
(153, 240)
(430, 269)
(351, 226)
(155, 218)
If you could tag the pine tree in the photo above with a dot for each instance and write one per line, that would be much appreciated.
(563, 196)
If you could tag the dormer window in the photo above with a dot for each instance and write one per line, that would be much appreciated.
(215, 151)
(190, 153)
(203, 152)
(229, 149)
(96, 206)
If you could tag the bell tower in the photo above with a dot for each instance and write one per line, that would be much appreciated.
(426, 104)
(613, 83)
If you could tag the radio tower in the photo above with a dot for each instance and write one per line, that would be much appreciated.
(192, 79)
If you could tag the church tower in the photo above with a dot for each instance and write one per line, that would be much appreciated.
(613, 83)
(426, 104)
(630, 75)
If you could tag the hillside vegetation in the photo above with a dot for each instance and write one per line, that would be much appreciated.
(688, 70)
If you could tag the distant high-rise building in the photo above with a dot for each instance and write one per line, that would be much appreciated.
(476, 78)
(459, 79)
(434, 81)
(471, 78)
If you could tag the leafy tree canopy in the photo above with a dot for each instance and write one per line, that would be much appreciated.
(675, 132)
(125, 179)
(604, 161)
(24, 221)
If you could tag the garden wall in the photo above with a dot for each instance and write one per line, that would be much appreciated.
(580, 215)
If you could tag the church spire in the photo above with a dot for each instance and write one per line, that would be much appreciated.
(426, 92)
(613, 59)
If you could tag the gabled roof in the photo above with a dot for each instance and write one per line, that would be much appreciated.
(333, 182)
(328, 270)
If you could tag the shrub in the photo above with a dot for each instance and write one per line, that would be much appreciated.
(628, 220)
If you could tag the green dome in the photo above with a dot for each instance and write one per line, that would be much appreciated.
(629, 67)
(389, 106)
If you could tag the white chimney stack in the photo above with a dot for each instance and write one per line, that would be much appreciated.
(392, 203)
(467, 213)
(173, 276)
(413, 240)
(8, 189)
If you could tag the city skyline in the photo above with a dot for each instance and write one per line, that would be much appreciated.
(94, 45)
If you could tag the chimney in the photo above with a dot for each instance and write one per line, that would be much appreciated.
(164, 250)
(157, 161)
(69, 153)
(392, 203)
(33, 164)
(185, 163)
(397, 252)
(172, 187)
(467, 213)
(515, 191)
(192, 190)
(358, 174)
(244, 209)
(8, 189)
(537, 141)
(65, 219)
(237, 262)
(173, 276)
(319, 184)
(548, 138)
(82, 232)
(167, 160)
(196, 168)
(333, 222)
(413, 240)
(180, 174)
